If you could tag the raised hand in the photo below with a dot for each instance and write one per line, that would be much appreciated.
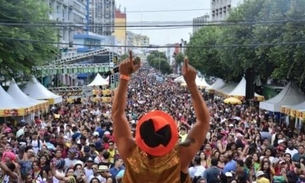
(189, 72)
(127, 67)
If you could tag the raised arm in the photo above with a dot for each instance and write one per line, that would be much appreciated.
(121, 128)
(198, 132)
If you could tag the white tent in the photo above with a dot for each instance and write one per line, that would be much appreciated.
(179, 79)
(240, 89)
(219, 83)
(298, 106)
(227, 88)
(99, 81)
(290, 95)
(36, 90)
(7, 102)
(15, 92)
(287, 109)
(201, 82)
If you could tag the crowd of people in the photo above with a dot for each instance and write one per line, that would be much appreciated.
(74, 143)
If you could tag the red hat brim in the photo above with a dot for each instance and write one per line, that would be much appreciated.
(160, 150)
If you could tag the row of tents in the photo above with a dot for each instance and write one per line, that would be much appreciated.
(221, 88)
(34, 97)
(290, 101)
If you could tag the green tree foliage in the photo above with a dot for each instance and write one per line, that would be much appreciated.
(16, 56)
(253, 37)
(158, 61)
(179, 58)
(238, 59)
(206, 59)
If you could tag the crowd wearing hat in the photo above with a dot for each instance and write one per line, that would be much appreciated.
(74, 143)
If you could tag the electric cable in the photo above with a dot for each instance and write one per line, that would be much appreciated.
(154, 23)
(159, 46)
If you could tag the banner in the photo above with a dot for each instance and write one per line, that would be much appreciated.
(106, 99)
(14, 112)
(301, 113)
(283, 110)
(293, 113)
(106, 92)
(287, 111)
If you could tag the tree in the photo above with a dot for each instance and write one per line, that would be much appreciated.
(262, 35)
(237, 59)
(179, 57)
(159, 61)
(206, 58)
(17, 56)
(274, 63)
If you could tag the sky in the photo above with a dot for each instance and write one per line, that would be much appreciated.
(138, 13)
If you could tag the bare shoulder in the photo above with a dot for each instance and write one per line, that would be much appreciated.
(185, 155)
(126, 147)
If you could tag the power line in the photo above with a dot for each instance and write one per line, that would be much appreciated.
(227, 23)
(160, 11)
(154, 11)
(150, 23)
(159, 46)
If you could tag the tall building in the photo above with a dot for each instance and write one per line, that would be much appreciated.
(120, 29)
(170, 54)
(134, 39)
(198, 22)
(101, 16)
(140, 40)
(68, 11)
(220, 9)
(129, 38)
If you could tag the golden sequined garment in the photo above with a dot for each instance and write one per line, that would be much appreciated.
(140, 168)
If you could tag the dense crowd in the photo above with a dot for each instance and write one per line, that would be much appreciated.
(73, 143)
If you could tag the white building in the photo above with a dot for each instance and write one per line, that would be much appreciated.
(101, 16)
(65, 12)
(170, 50)
(220, 9)
(198, 22)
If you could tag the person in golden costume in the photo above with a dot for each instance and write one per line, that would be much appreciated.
(155, 155)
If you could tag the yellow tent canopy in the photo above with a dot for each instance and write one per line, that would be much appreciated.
(232, 100)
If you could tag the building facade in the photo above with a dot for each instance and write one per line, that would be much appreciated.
(81, 17)
(139, 40)
(198, 22)
(101, 16)
(90, 41)
(170, 54)
(220, 9)
(68, 12)
(120, 29)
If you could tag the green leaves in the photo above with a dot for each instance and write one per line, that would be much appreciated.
(159, 61)
(179, 58)
(253, 40)
(19, 56)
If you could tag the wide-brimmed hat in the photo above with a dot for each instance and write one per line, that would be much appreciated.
(156, 133)
(102, 168)
(259, 173)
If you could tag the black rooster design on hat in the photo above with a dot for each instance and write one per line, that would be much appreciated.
(153, 138)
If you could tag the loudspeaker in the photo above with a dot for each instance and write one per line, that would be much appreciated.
(249, 76)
